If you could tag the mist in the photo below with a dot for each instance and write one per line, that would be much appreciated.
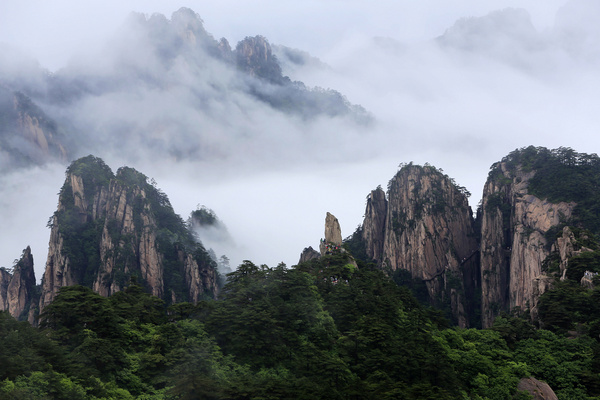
(458, 87)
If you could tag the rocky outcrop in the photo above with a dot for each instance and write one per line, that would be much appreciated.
(21, 289)
(17, 288)
(536, 388)
(513, 241)
(125, 246)
(374, 226)
(254, 56)
(333, 231)
(308, 254)
(333, 235)
(80, 204)
(109, 228)
(5, 278)
(587, 280)
(428, 230)
(565, 247)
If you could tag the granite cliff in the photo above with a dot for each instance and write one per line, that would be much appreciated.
(533, 202)
(18, 288)
(538, 216)
(425, 227)
(513, 241)
(110, 228)
(537, 223)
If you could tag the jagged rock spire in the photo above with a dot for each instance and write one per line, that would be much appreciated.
(333, 232)
(17, 289)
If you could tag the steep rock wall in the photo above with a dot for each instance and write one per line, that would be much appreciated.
(428, 231)
(21, 288)
(17, 289)
(110, 228)
(81, 203)
(124, 246)
(333, 236)
(5, 278)
(513, 241)
(373, 232)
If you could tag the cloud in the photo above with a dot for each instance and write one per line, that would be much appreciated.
(28, 198)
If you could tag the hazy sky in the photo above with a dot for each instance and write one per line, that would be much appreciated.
(501, 81)
(53, 31)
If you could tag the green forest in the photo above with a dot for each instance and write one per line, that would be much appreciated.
(320, 330)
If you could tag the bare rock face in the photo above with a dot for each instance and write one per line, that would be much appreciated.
(587, 280)
(333, 232)
(513, 241)
(333, 235)
(538, 389)
(308, 254)
(80, 204)
(17, 289)
(5, 278)
(108, 229)
(22, 286)
(373, 232)
(428, 231)
(135, 248)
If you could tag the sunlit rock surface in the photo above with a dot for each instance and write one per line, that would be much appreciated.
(426, 228)
(513, 242)
(17, 289)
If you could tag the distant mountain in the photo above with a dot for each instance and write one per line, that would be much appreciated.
(162, 86)
(28, 136)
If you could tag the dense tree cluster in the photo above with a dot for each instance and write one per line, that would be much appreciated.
(323, 329)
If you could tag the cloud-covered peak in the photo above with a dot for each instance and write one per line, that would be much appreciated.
(506, 35)
(498, 28)
(577, 29)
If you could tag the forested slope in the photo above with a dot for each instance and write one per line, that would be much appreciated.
(323, 329)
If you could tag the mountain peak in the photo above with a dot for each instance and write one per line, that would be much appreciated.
(110, 228)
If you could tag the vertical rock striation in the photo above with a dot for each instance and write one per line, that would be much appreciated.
(428, 231)
(514, 242)
(374, 226)
(17, 289)
(21, 289)
(333, 235)
(109, 228)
